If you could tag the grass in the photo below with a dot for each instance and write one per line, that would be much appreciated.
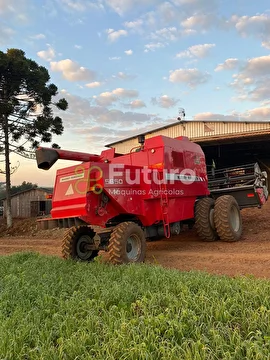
(56, 309)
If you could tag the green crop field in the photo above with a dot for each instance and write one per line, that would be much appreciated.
(56, 309)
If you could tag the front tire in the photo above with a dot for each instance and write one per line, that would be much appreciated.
(127, 244)
(75, 242)
(227, 218)
(204, 219)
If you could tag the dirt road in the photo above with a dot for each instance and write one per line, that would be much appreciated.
(249, 256)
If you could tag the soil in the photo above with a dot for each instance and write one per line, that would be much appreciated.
(249, 256)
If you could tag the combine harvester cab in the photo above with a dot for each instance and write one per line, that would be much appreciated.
(114, 202)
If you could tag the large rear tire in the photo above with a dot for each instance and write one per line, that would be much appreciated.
(227, 218)
(75, 242)
(204, 219)
(127, 244)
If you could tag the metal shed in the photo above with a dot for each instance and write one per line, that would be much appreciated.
(31, 203)
(202, 132)
(228, 143)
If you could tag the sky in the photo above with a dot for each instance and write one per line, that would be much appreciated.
(127, 66)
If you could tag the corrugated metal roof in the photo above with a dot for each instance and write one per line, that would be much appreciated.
(46, 190)
(199, 131)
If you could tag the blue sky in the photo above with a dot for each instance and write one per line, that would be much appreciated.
(127, 66)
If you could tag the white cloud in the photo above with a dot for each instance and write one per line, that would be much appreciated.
(153, 46)
(79, 110)
(167, 12)
(38, 36)
(129, 52)
(123, 76)
(177, 11)
(251, 90)
(7, 6)
(203, 21)
(259, 66)
(14, 9)
(255, 70)
(123, 6)
(105, 99)
(138, 123)
(134, 25)
(99, 125)
(169, 34)
(191, 77)
(94, 84)
(256, 114)
(229, 64)
(252, 81)
(5, 34)
(81, 5)
(260, 92)
(254, 26)
(209, 116)
(259, 114)
(129, 120)
(108, 98)
(135, 104)
(199, 51)
(197, 5)
(114, 35)
(72, 71)
(79, 47)
(48, 54)
(74, 4)
(163, 14)
(115, 58)
(124, 93)
(114, 125)
(50, 9)
(266, 44)
(265, 103)
(166, 34)
(165, 101)
(150, 19)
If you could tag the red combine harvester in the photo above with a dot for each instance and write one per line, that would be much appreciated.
(115, 202)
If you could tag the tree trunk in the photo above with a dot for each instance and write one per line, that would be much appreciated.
(8, 183)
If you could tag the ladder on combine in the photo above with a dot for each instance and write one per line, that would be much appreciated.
(164, 205)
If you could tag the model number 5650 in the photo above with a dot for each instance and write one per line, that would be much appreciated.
(113, 181)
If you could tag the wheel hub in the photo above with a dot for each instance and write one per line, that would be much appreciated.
(82, 247)
(234, 219)
(211, 219)
(129, 247)
(133, 247)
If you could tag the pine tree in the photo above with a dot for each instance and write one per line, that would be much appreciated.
(26, 110)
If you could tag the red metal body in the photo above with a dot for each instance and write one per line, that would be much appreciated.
(158, 182)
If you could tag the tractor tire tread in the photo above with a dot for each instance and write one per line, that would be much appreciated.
(202, 221)
(70, 238)
(117, 246)
(221, 219)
